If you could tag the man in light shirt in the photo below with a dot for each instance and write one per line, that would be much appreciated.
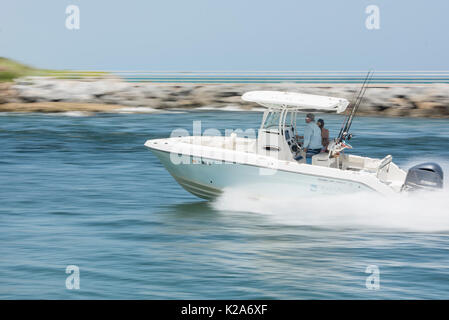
(312, 138)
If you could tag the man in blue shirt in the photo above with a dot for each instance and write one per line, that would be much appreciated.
(312, 138)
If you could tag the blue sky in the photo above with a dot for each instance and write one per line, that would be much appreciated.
(180, 35)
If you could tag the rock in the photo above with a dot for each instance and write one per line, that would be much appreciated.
(426, 105)
(7, 93)
(393, 100)
(58, 107)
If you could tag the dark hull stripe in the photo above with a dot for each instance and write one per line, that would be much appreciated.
(197, 189)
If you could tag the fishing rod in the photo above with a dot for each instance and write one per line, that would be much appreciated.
(368, 79)
(344, 131)
(343, 125)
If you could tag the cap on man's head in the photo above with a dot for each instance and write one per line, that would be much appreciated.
(311, 116)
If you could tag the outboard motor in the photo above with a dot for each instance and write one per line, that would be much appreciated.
(424, 176)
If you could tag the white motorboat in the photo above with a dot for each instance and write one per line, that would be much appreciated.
(207, 165)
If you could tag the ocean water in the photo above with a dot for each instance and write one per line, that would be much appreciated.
(84, 191)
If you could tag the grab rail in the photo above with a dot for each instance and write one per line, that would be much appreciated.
(383, 163)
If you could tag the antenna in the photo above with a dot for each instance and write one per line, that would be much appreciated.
(350, 116)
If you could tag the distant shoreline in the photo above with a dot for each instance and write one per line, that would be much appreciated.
(113, 95)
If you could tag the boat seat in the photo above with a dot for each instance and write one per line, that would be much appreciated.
(350, 162)
(322, 159)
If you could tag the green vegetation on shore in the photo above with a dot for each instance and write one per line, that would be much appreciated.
(10, 70)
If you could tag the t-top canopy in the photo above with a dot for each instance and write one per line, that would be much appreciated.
(280, 100)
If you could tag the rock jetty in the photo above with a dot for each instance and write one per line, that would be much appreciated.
(40, 94)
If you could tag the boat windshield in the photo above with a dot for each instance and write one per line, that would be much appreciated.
(272, 120)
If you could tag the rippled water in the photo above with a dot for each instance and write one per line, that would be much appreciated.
(84, 191)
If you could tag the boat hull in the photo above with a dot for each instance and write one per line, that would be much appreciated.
(208, 178)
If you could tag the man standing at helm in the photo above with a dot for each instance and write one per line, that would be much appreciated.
(312, 138)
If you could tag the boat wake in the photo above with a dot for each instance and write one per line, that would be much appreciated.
(418, 211)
